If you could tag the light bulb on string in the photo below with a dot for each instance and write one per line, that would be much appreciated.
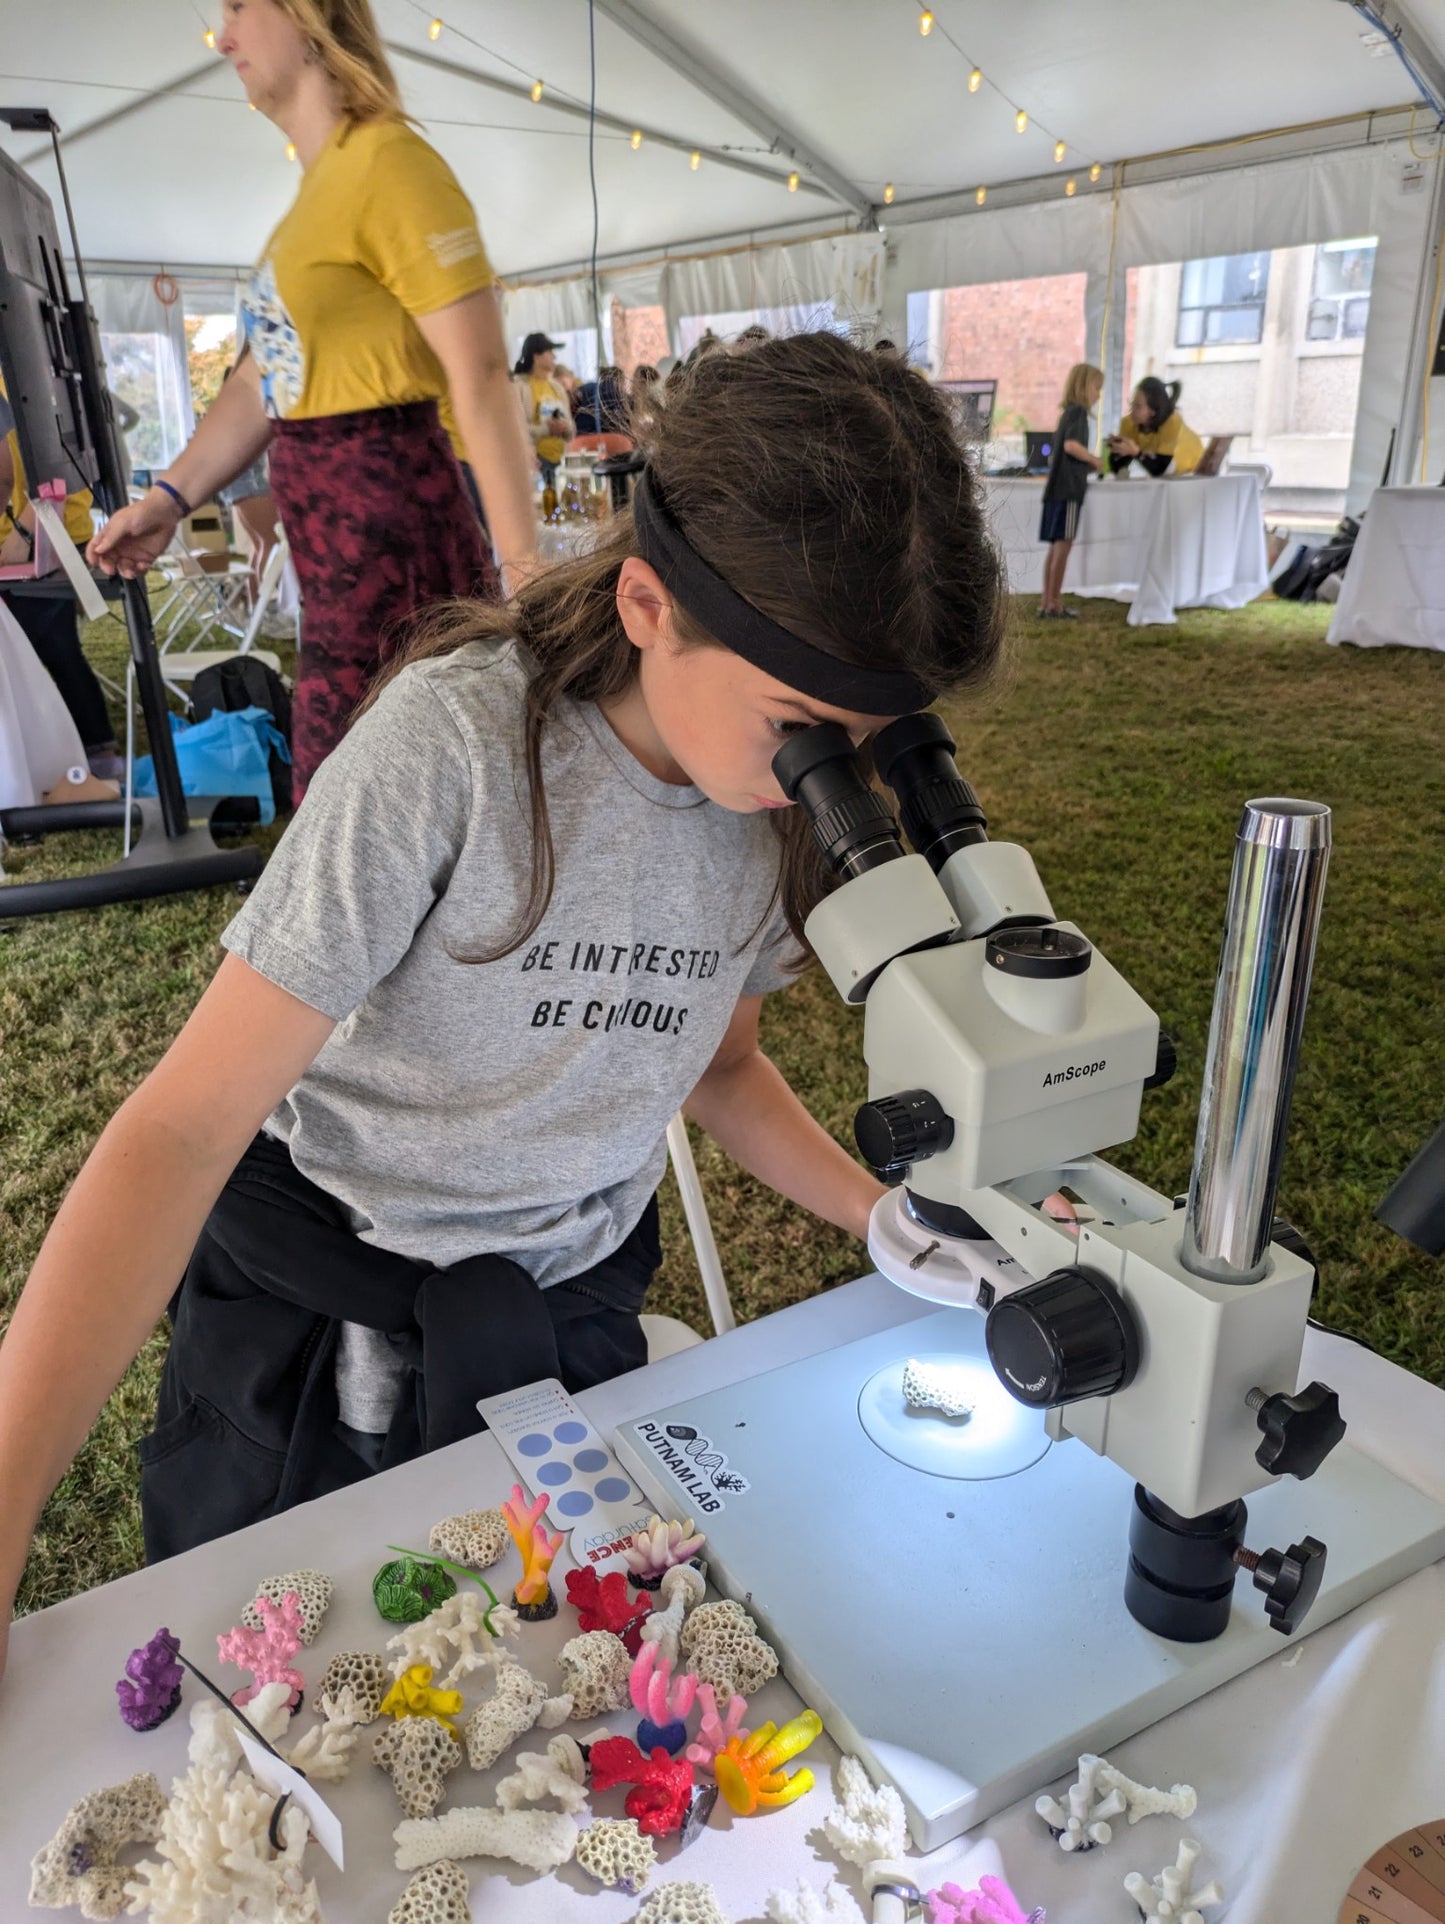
(209, 36)
(636, 138)
(975, 80)
(1071, 187)
(1095, 171)
(291, 150)
(792, 183)
(888, 195)
(925, 23)
(1059, 151)
(694, 159)
(434, 31)
(1021, 122)
(536, 90)
(980, 195)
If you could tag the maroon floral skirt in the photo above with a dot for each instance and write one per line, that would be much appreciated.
(379, 524)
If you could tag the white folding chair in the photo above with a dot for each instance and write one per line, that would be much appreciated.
(666, 1335)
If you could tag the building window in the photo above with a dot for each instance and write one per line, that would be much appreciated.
(1340, 299)
(1221, 301)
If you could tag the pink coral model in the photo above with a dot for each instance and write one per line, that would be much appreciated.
(266, 1653)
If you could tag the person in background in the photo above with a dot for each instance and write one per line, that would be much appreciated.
(645, 379)
(1069, 469)
(1155, 434)
(545, 404)
(374, 298)
(601, 406)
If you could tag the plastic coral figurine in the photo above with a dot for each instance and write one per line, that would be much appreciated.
(749, 1769)
(412, 1696)
(659, 1548)
(266, 1653)
(663, 1787)
(992, 1903)
(602, 1603)
(1100, 1793)
(151, 1687)
(538, 1547)
(716, 1731)
(664, 1704)
(1172, 1894)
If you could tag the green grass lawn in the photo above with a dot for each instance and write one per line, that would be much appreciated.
(1120, 758)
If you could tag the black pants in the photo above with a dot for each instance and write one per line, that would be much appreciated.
(246, 1419)
(51, 623)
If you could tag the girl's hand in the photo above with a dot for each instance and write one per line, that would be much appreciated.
(132, 538)
(1125, 447)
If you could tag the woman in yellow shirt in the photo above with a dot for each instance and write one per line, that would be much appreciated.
(373, 300)
(545, 401)
(1155, 434)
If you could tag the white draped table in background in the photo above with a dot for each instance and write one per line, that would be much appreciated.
(1304, 1766)
(1159, 545)
(1394, 592)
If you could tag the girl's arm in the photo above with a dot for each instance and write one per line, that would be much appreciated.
(121, 1239)
(1081, 453)
(467, 339)
(748, 1109)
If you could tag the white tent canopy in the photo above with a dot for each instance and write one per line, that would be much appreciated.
(168, 167)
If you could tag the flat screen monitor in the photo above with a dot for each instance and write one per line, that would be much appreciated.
(1038, 450)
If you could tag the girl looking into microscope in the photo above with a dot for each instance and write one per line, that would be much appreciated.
(404, 1153)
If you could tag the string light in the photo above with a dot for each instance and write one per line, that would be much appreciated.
(1071, 187)
(536, 90)
(291, 150)
(925, 23)
(1021, 122)
(636, 138)
(980, 195)
(975, 80)
(209, 36)
(792, 183)
(694, 159)
(1058, 151)
(1095, 171)
(888, 195)
(434, 31)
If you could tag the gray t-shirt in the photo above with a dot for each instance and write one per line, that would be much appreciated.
(516, 1107)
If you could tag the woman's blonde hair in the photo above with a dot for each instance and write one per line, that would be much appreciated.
(1076, 388)
(347, 42)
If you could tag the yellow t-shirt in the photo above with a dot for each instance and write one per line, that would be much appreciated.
(79, 523)
(1175, 437)
(379, 232)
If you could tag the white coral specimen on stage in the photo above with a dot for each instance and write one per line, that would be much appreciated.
(1100, 1793)
(931, 1388)
(1172, 1894)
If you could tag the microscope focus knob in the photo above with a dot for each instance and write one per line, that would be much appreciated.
(1061, 1340)
(1299, 1431)
(1290, 1580)
(1166, 1061)
(894, 1131)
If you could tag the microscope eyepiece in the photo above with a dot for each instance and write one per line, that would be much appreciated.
(939, 811)
(818, 769)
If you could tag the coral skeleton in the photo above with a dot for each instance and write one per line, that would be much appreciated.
(602, 1603)
(416, 1753)
(662, 1786)
(509, 1713)
(1172, 1895)
(309, 1586)
(215, 1863)
(151, 1687)
(926, 1388)
(681, 1590)
(614, 1851)
(867, 1821)
(595, 1670)
(364, 1674)
(749, 1770)
(659, 1548)
(216, 1733)
(266, 1652)
(662, 1702)
(436, 1895)
(78, 1865)
(1101, 1793)
(721, 1645)
(807, 1906)
(464, 1632)
(476, 1538)
(538, 1840)
(992, 1903)
(538, 1548)
(559, 1772)
(682, 1904)
(412, 1696)
(324, 1753)
(1180, 1801)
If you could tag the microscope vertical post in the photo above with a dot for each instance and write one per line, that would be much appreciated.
(1276, 892)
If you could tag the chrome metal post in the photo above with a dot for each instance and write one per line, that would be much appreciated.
(1275, 893)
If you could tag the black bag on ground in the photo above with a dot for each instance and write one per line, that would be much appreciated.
(244, 682)
(1302, 579)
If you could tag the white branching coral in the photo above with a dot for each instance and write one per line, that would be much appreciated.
(216, 1734)
(1172, 1895)
(416, 1753)
(78, 1865)
(595, 1672)
(615, 1852)
(807, 1906)
(682, 1589)
(1101, 1793)
(538, 1840)
(362, 1672)
(559, 1772)
(324, 1753)
(509, 1713)
(867, 1821)
(682, 1904)
(215, 1863)
(659, 1548)
(436, 1895)
(477, 1538)
(310, 1587)
(721, 1646)
(455, 1632)
(1142, 1801)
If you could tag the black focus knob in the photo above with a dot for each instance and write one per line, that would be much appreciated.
(1290, 1580)
(894, 1131)
(1063, 1339)
(1299, 1431)
(1166, 1061)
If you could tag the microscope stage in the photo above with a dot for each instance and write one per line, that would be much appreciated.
(962, 1628)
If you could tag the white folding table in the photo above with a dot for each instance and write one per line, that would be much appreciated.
(1394, 588)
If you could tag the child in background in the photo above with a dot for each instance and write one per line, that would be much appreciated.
(1068, 478)
(404, 1153)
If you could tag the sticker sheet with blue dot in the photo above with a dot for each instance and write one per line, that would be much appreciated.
(559, 1454)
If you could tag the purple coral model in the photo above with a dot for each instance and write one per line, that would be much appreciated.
(151, 1687)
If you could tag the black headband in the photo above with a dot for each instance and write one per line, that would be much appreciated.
(733, 620)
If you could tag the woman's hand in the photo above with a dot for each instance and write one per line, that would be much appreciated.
(132, 539)
(1122, 445)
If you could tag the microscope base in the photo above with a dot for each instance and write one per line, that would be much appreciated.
(965, 1632)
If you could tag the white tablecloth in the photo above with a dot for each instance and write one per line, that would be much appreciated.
(38, 740)
(1304, 1766)
(1159, 545)
(1394, 592)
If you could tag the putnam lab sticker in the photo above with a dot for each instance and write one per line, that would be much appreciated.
(696, 1466)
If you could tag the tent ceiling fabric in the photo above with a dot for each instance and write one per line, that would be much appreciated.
(193, 177)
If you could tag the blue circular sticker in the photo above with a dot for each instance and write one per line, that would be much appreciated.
(613, 1489)
(570, 1432)
(553, 1474)
(534, 1444)
(574, 1503)
(591, 1460)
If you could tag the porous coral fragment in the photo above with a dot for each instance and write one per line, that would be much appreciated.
(78, 1865)
(417, 1753)
(509, 1713)
(682, 1904)
(721, 1646)
(436, 1895)
(595, 1670)
(476, 1538)
(364, 1674)
(311, 1589)
(539, 1840)
(615, 1852)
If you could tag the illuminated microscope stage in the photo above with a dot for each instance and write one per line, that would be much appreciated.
(965, 1632)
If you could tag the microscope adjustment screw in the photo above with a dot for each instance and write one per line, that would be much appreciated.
(1290, 1580)
(1298, 1431)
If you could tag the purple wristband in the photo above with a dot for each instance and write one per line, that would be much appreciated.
(175, 494)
